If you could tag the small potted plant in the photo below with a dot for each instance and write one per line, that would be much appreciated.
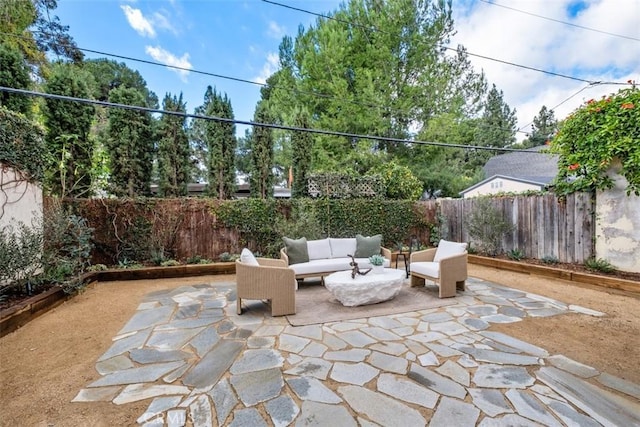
(377, 261)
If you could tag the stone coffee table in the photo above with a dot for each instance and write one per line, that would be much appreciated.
(362, 290)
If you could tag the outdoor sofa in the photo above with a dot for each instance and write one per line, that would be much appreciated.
(319, 258)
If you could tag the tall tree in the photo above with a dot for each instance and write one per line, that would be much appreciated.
(68, 136)
(31, 26)
(302, 145)
(496, 127)
(14, 73)
(542, 129)
(51, 35)
(261, 175)
(375, 68)
(173, 149)
(130, 144)
(215, 144)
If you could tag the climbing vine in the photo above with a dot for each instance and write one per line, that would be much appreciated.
(22, 145)
(593, 137)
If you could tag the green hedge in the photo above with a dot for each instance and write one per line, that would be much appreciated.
(262, 223)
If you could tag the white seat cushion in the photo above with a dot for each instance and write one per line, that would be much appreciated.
(447, 249)
(431, 269)
(342, 248)
(364, 264)
(319, 249)
(321, 266)
(247, 257)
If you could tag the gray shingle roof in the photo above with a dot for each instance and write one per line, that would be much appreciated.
(531, 165)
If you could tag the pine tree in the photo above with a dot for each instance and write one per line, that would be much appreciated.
(215, 144)
(302, 145)
(173, 149)
(130, 145)
(496, 128)
(261, 176)
(543, 127)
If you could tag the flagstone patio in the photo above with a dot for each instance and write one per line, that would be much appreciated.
(198, 361)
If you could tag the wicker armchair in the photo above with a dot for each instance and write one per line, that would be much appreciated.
(272, 280)
(448, 272)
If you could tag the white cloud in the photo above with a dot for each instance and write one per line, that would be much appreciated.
(138, 22)
(269, 67)
(168, 58)
(519, 38)
(275, 31)
(162, 22)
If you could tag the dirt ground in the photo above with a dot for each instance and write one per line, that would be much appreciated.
(44, 364)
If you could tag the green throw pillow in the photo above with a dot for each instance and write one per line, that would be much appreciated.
(367, 246)
(296, 250)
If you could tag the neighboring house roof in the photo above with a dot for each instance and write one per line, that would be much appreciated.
(509, 178)
(532, 166)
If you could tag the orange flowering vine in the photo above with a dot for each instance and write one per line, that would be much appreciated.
(627, 105)
(573, 167)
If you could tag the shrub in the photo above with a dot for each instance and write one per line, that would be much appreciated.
(599, 264)
(486, 225)
(515, 254)
(227, 257)
(550, 259)
(170, 263)
(197, 259)
(20, 254)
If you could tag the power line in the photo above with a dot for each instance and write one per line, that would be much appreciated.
(526, 67)
(221, 76)
(250, 123)
(561, 22)
(553, 108)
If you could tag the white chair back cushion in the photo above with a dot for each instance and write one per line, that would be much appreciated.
(247, 257)
(342, 248)
(447, 249)
(319, 249)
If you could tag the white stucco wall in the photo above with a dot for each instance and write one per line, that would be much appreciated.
(20, 201)
(501, 185)
(618, 225)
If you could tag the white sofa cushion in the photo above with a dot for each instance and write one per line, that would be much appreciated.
(318, 249)
(247, 257)
(320, 266)
(447, 249)
(431, 269)
(342, 248)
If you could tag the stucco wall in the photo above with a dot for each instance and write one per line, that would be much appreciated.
(501, 185)
(618, 225)
(19, 200)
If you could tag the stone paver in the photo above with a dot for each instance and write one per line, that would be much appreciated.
(201, 364)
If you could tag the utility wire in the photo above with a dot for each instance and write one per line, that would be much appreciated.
(526, 67)
(561, 22)
(250, 123)
(553, 108)
(221, 76)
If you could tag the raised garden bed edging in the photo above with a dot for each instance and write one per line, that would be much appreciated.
(558, 273)
(19, 315)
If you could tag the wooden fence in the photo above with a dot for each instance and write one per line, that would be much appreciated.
(544, 226)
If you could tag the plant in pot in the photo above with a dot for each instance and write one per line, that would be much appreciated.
(377, 261)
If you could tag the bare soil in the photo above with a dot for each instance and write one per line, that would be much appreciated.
(44, 364)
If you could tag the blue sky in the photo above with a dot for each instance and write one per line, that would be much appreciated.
(240, 39)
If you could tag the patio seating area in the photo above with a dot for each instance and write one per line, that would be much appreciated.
(189, 351)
